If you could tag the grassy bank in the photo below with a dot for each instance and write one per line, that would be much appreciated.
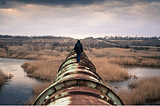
(109, 72)
(4, 77)
(37, 89)
(44, 70)
(133, 61)
(47, 70)
(142, 91)
(122, 56)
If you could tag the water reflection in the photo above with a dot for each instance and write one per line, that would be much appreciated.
(144, 72)
(19, 89)
(140, 72)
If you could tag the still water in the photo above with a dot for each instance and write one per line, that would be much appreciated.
(19, 88)
(140, 72)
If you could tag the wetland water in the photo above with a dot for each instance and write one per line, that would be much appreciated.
(19, 88)
(140, 72)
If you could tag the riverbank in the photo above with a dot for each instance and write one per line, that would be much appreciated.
(4, 77)
(47, 70)
(143, 91)
(37, 90)
(43, 70)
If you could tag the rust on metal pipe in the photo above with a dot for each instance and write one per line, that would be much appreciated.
(77, 84)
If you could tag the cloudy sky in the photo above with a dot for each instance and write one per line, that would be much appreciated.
(80, 18)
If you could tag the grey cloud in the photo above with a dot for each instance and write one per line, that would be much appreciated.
(8, 3)
(134, 1)
(109, 17)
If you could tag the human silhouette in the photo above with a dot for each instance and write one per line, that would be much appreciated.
(78, 49)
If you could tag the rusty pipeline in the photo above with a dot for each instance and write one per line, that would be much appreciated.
(77, 84)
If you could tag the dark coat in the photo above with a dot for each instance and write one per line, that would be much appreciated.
(78, 47)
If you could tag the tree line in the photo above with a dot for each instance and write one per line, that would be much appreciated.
(128, 38)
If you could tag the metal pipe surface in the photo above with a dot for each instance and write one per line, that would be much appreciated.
(77, 84)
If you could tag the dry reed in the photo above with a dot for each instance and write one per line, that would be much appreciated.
(124, 60)
(149, 62)
(3, 53)
(32, 56)
(37, 89)
(134, 61)
(2, 77)
(142, 91)
(46, 57)
(109, 72)
(45, 70)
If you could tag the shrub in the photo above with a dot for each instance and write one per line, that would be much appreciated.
(142, 91)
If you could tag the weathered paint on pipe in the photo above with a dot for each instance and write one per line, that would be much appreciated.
(78, 84)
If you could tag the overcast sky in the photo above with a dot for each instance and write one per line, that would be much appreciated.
(80, 18)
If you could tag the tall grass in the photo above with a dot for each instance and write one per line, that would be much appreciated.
(3, 53)
(134, 61)
(124, 60)
(109, 72)
(2, 77)
(37, 89)
(149, 62)
(32, 56)
(45, 70)
(142, 91)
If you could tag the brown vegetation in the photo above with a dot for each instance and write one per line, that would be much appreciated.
(134, 61)
(4, 77)
(109, 72)
(125, 57)
(150, 62)
(37, 89)
(142, 91)
(124, 60)
(45, 70)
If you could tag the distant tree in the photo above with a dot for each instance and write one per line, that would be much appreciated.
(4, 46)
(12, 42)
(20, 43)
(35, 46)
(29, 46)
(126, 46)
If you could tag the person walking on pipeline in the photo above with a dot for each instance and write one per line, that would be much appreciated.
(78, 49)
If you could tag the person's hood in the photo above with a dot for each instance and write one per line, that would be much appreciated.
(78, 41)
